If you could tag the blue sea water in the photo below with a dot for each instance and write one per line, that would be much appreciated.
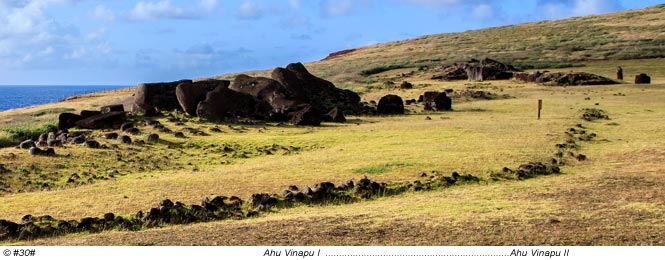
(23, 96)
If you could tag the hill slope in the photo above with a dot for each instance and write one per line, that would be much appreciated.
(634, 34)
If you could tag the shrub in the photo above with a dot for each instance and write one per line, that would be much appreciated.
(17, 134)
(380, 69)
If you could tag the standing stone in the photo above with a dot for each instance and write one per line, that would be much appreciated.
(642, 79)
(443, 102)
(429, 100)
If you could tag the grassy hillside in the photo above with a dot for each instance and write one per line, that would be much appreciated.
(614, 197)
(634, 34)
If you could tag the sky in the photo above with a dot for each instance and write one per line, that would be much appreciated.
(120, 42)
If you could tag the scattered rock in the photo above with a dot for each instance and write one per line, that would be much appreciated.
(27, 144)
(152, 138)
(124, 127)
(124, 139)
(35, 151)
(110, 136)
(78, 140)
(92, 144)
(133, 131)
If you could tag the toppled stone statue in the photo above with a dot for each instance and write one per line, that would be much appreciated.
(291, 91)
(564, 78)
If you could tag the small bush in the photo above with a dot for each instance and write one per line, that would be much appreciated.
(371, 170)
(17, 134)
(380, 69)
(51, 111)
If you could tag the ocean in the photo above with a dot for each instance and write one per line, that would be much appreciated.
(23, 96)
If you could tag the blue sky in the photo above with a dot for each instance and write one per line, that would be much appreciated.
(112, 42)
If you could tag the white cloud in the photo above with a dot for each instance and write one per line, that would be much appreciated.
(557, 9)
(483, 12)
(295, 4)
(335, 8)
(587, 7)
(437, 3)
(250, 10)
(103, 13)
(30, 38)
(159, 10)
(209, 5)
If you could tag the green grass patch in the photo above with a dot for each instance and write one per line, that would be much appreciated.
(52, 111)
(385, 168)
(372, 170)
(377, 70)
(15, 134)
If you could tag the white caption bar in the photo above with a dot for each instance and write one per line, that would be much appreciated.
(360, 252)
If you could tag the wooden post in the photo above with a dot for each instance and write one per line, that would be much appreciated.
(540, 107)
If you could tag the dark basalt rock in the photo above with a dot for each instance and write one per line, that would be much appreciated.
(642, 79)
(149, 98)
(78, 140)
(112, 108)
(110, 136)
(267, 91)
(486, 69)
(27, 144)
(132, 131)
(335, 115)
(390, 105)
(225, 103)
(152, 138)
(126, 126)
(89, 113)
(307, 116)
(189, 95)
(301, 85)
(443, 102)
(92, 144)
(68, 120)
(102, 121)
(124, 139)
